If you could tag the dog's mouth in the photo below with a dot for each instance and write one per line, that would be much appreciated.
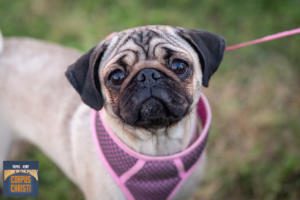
(154, 108)
(154, 113)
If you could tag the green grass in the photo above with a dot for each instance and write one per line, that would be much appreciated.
(254, 148)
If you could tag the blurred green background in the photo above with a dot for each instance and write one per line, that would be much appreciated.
(254, 148)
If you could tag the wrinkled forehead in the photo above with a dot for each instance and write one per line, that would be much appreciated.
(144, 41)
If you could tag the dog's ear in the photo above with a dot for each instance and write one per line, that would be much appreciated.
(209, 47)
(83, 76)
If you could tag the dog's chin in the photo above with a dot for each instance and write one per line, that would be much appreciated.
(154, 113)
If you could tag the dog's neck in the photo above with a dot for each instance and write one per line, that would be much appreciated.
(164, 141)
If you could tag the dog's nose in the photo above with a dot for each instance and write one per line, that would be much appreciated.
(148, 75)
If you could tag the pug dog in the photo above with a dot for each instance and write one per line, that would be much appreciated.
(145, 81)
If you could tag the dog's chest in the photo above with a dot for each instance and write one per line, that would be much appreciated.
(145, 177)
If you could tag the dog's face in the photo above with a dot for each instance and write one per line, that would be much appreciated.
(148, 77)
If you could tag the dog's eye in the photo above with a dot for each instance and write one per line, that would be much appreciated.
(117, 76)
(178, 66)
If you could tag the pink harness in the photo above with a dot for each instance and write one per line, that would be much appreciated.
(143, 177)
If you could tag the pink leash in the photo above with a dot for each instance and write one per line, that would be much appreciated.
(265, 39)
